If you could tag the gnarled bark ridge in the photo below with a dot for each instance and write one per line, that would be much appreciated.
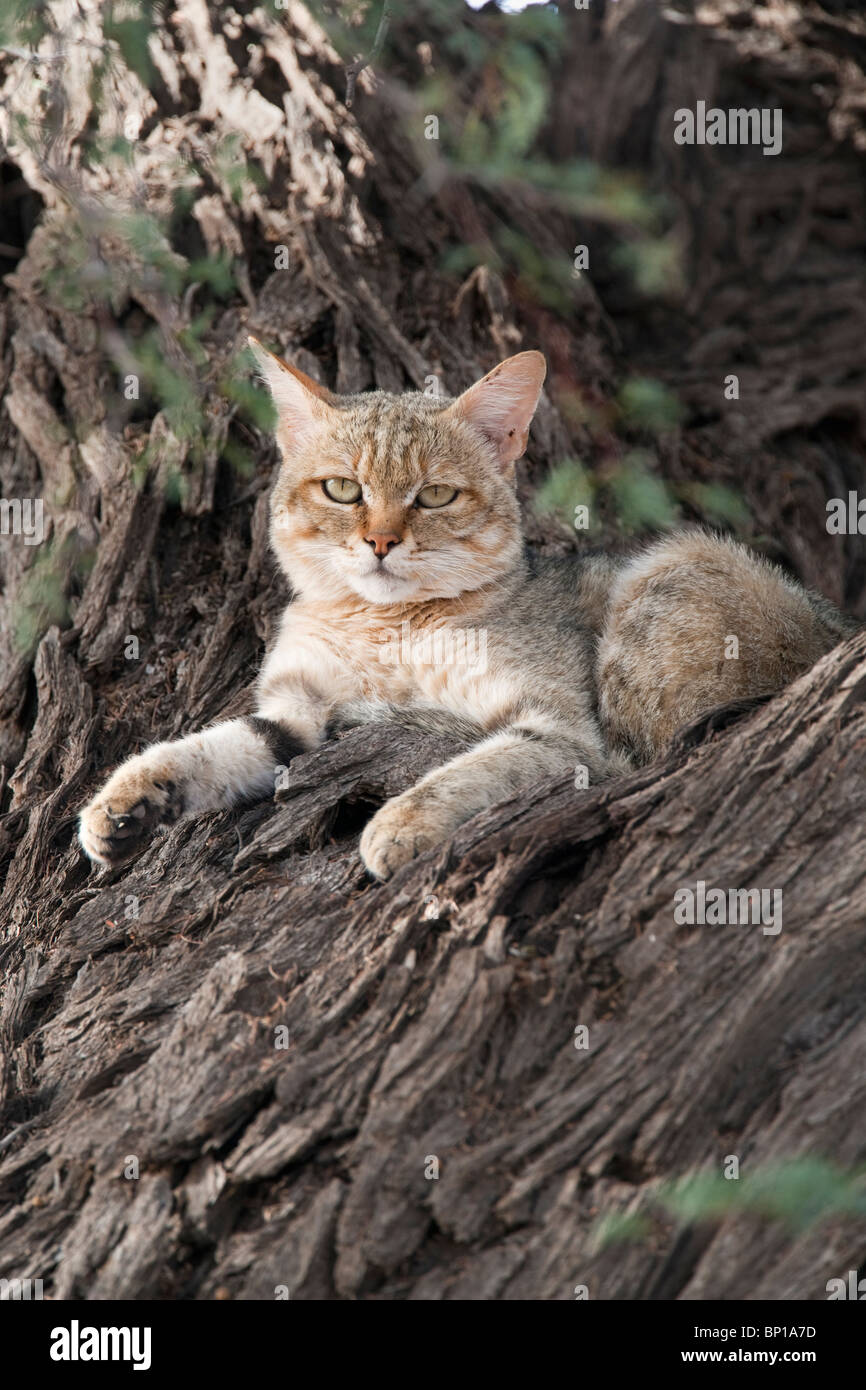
(236, 1064)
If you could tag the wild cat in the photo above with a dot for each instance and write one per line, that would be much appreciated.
(396, 514)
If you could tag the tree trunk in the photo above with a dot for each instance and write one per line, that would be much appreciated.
(237, 1065)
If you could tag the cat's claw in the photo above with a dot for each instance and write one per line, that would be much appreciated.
(123, 817)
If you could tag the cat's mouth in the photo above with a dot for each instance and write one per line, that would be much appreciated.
(380, 584)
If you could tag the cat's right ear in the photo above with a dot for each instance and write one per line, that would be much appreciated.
(300, 402)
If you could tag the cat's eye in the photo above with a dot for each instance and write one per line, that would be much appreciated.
(436, 495)
(342, 489)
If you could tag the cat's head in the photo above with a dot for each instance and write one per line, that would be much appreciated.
(398, 499)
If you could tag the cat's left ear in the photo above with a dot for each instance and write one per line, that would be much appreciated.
(501, 405)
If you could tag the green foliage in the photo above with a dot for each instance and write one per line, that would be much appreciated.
(569, 485)
(796, 1194)
(617, 1228)
(149, 244)
(234, 169)
(628, 489)
(548, 279)
(217, 272)
(536, 30)
(642, 499)
(718, 503)
(492, 88)
(626, 485)
(646, 404)
(177, 394)
(170, 370)
(522, 107)
(654, 264)
(43, 598)
(257, 405)
(238, 458)
(22, 24)
(131, 34)
(82, 274)
(459, 259)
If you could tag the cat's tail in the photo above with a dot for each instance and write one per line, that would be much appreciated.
(697, 621)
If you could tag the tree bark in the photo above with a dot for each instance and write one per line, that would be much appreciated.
(235, 1063)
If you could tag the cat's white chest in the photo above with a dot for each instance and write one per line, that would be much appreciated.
(435, 662)
(441, 663)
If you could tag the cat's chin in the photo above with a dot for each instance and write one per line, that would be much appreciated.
(383, 587)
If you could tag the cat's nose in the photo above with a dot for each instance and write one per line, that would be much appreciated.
(382, 542)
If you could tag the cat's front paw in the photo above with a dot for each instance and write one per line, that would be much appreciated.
(119, 820)
(403, 829)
